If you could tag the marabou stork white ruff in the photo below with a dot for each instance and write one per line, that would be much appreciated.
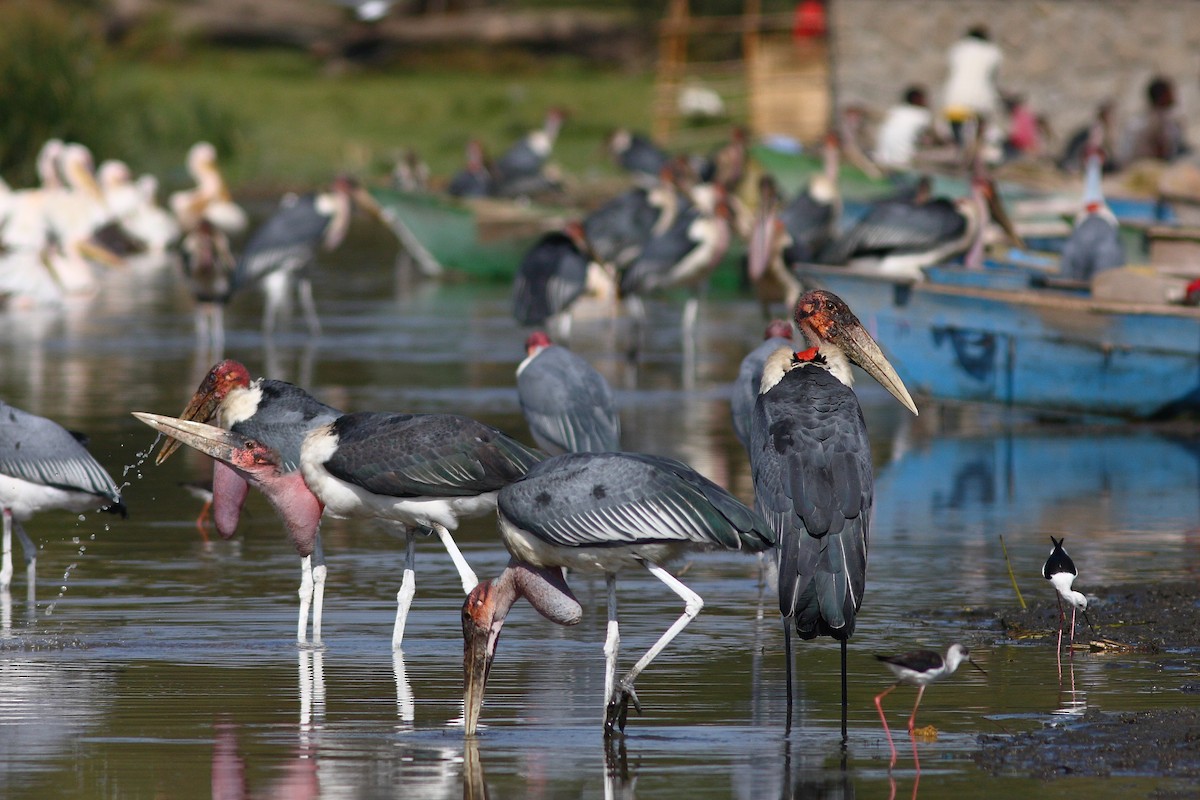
(600, 512)
(813, 478)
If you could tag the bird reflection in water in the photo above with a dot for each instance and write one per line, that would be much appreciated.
(405, 704)
(312, 692)
(298, 782)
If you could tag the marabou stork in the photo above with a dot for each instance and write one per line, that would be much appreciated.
(744, 391)
(567, 404)
(637, 153)
(684, 254)
(618, 230)
(813, 478)
(600, 512)
(44, 466)
(279, 415)
(1095, 241)
(406, 471)
(898, 237)
(1060, 570)
(282, 251)
(520, 170)
(556, 271)
(919, 668)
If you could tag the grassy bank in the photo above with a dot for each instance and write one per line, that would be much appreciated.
(281, 122)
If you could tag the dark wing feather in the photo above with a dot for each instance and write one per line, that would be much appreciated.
(620, 499)
(918, 660)
(425, 455)
(41, 451)
(814, 483)
(893, 227)
(652, 268)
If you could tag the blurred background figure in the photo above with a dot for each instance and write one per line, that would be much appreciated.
(905, 126)
(1097, 133)
(1157, 132)
(971, 93)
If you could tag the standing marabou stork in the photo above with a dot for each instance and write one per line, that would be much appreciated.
(744, 392)
(637, 153)
(684, 254)
(279, 415)
(1095, 241)
(567, 404)
(282, 251)
(619, 229)
(406, 471)
(45, 466)
(813, 478)
(600, 512)
(556, 271)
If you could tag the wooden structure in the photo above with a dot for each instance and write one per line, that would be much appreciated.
(767, 79)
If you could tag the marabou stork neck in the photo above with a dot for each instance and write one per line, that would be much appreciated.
(813, 478)
(602, 512)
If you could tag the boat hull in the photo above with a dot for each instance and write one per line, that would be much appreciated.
(993, 340)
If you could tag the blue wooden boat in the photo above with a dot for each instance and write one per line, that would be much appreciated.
(1007, 335)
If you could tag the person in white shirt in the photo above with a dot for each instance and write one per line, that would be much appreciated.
(904, 126)
(971, 92)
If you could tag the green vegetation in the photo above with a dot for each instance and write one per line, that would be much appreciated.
(279, 121)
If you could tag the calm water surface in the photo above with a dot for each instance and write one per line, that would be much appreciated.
(151, 662)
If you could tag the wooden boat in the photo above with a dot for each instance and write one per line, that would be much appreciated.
(1011, 335)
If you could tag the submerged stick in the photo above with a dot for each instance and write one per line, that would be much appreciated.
(1011, 576)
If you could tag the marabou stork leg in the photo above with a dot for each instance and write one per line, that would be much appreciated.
(788, 624)
(618, 706)
(886, 730)
(408, 588)
(318, 595)
(275, 289)
(6, 567)
(612, 645)
(469, 581)
(309, 307)
(845, 694)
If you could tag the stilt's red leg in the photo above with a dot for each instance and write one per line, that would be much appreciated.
(879, 705)
(912, 720)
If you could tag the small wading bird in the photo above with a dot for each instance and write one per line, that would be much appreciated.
(406, 471)
(919, 668)
(813, 478)
(567, 404)
(599, 512)
(44, 466)
(1060, 570)
(279, 415)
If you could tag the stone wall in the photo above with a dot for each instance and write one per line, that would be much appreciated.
(1064, 56)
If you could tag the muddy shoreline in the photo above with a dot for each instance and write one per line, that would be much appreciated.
(1162, 619)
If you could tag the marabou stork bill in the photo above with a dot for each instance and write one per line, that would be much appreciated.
(567, 404)
(278, 415)
(283, 250)
(405, 471)
(599, 512)
(813, 477)
(1060, 570)
(44, 466)
(919, 668)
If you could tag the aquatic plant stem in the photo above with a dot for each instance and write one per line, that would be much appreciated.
(1011, 576)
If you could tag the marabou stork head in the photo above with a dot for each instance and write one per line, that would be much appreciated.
(216, 386)
(831, 327)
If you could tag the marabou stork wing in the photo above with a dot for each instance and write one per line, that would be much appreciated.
(814, 483)
(519, 161)
(744, 391)
(809, 222)
(897, 227)
(614, 499)
(551, 276)
(621, 224)
(653, 265)
(41, 451)
(415, 455)
(285, 415)
(287, 240)
(568, 405)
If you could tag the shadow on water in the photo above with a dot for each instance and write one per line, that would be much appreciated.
(168, 666)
